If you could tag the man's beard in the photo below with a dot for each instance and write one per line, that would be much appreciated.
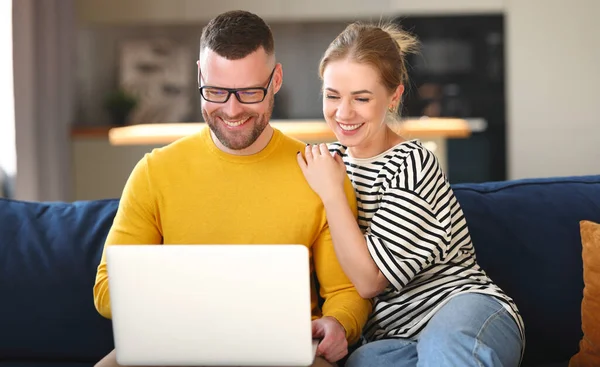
(238, 140)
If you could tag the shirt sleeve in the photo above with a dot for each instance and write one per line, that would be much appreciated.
(136, 222)
(341, 299)
(406, 236)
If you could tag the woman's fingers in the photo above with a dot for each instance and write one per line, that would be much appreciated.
(316, 151)
(324, 150)
(308, 153)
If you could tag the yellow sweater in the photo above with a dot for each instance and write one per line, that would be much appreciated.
(190, 192)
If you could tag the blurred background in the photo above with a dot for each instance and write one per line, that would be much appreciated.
(523, 73)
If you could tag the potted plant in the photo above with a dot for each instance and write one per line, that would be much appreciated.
(119, 104)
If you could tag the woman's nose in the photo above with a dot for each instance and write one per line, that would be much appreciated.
(344, 111)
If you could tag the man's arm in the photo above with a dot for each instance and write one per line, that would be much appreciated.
(136, 222)
(342, 300)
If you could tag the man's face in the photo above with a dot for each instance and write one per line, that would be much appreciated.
(238, 125)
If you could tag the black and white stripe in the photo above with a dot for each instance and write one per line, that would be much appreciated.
(417, 235)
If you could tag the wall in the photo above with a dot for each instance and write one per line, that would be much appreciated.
(299, 47)
(553, 57)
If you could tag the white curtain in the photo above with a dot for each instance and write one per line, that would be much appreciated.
(44, 51)
(8, 160)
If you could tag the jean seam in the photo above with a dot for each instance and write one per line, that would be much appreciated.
(481, 330)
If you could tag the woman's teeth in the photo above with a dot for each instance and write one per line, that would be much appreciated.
(350, 127)
(235, 123)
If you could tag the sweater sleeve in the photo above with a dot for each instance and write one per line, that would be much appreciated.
(341, 299)
(136, 222)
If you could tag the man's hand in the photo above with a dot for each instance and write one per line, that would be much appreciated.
(333, 345)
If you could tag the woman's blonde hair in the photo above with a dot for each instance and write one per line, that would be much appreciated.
(383, 46)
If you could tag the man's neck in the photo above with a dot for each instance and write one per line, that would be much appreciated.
(260, 143)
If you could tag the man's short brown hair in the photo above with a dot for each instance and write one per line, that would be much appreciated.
(236, 34)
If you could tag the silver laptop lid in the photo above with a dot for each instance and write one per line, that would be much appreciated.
(217, 305)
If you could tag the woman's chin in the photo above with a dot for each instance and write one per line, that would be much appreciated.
(348, 141)
(347, 137)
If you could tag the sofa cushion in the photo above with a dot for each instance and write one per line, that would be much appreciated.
(48, 258)
(589, 346)
(526, 236)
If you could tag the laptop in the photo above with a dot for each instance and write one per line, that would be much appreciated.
(211, 305)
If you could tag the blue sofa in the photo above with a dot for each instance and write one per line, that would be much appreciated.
(526, 233)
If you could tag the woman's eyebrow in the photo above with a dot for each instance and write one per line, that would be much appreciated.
(362, 91)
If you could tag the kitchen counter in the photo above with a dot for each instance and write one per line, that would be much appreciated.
(308, 131)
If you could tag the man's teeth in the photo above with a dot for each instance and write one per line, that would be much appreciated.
(234, 123)
(350, 127)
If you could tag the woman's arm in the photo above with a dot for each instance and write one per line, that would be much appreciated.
(351, 248)
(406, 234)
(327, 176)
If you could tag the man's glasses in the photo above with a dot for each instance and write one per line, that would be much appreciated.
(243, 95)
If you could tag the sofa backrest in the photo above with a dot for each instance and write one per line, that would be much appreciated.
(48, 258)
(526, 236)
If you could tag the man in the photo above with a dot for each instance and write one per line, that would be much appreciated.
(237, 181)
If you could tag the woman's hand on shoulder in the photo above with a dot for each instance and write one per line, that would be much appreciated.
(324, 171)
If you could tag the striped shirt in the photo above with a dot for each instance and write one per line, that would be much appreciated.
(417, 235)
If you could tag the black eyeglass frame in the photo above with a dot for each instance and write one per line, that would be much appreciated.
(235, 91)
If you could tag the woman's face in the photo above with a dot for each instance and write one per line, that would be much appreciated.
(355, 103)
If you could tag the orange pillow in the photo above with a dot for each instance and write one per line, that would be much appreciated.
(589, 346)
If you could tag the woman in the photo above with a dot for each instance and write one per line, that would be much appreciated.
(411, 250)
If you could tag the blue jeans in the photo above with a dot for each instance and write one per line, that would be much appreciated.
(470, 330)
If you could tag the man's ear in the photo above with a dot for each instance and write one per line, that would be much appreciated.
(277, 78)
(198, 73)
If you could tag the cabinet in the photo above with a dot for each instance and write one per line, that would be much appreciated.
(129, 11)
(101, 170)
(200, 11)
(307, 10)
(445, 7)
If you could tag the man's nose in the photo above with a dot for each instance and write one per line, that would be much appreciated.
(233, 107)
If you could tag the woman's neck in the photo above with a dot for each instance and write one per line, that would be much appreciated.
(378, 144)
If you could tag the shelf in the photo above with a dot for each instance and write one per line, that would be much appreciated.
(91, 131)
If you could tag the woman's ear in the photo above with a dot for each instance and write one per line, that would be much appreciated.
(397, 95)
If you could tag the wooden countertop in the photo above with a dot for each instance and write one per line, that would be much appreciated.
(308, 131)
